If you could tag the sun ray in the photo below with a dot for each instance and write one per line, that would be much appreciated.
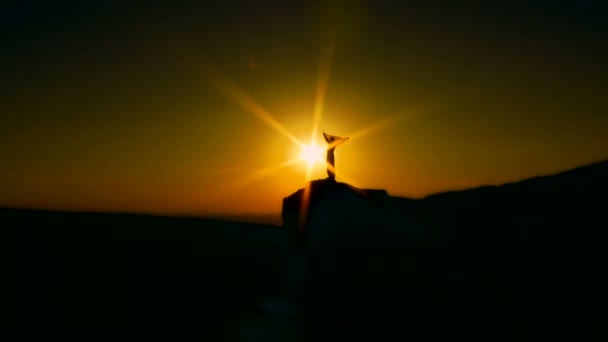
(304, 205)
(309, 172)
(322, 81)
(389, 121)
(264, 172)
(237, 184)
(237, 94)
(377, 126)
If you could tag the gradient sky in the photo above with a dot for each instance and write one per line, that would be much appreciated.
(155, 107)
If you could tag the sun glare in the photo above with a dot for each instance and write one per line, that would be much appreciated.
(312, 154)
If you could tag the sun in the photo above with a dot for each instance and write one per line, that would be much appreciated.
(312, 154)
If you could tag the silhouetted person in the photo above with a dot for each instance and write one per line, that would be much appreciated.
(333, 142)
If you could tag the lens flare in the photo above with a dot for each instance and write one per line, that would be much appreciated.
(312, 154)
(246, 102)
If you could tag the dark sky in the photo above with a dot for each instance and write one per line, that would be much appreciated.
(110, 105)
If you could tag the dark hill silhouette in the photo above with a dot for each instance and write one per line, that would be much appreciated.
(511, 262)
(521, 261)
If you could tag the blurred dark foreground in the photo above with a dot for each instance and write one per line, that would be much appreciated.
(523, 261)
